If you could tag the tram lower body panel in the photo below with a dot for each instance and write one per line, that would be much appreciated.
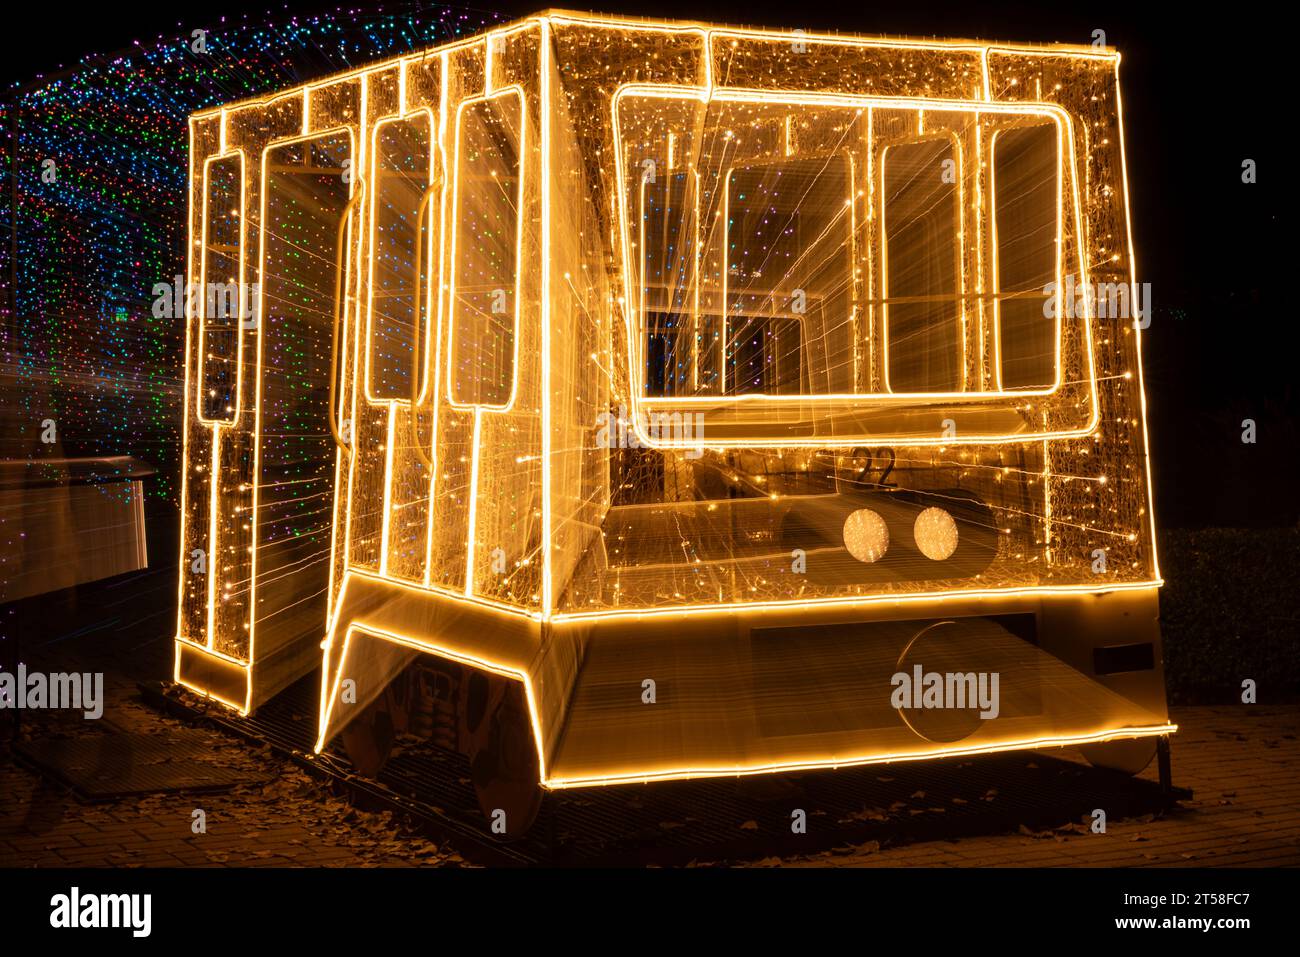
(636, 697)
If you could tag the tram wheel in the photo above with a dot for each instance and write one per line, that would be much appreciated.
(504, 769)
(1129, 756)
(368, 739)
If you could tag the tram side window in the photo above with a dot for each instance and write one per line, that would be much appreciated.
(223, 300)
(923, 313)
(485, 298)
(1026, 194)
(397, 321)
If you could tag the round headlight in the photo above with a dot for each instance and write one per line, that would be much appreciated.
(866, 535)
(935, 532)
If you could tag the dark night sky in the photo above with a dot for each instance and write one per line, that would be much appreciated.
(1200, 94)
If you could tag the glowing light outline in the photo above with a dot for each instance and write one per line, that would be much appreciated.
(1059, 251)
(969, 401)
(959, 254)
(372, 226)
(203, 286)
(264, 193)
(1137, 330)
(516, 90)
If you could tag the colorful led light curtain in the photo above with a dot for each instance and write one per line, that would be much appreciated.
(93, 210)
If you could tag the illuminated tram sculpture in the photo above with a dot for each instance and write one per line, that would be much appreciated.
(618, 401)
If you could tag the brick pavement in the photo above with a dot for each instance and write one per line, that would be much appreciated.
(1242, 764)
(293, 820)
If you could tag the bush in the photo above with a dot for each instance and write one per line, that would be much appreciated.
(1230, 610)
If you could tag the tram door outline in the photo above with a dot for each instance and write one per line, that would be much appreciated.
(307, 189)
